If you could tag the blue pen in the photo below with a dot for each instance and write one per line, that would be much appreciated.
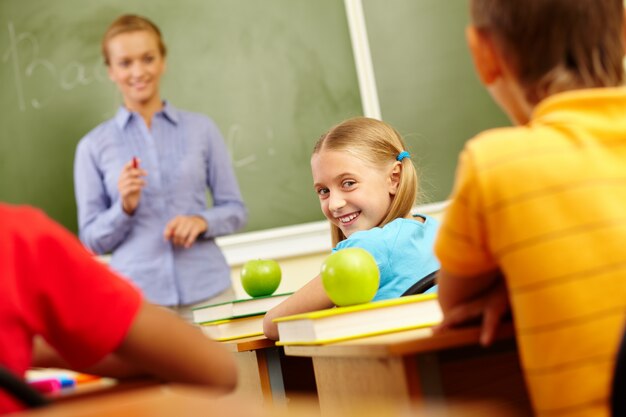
(66, 381)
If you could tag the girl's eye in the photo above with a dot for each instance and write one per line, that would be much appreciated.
(348, 183)
(148, 59)
(124, 64)
(322, 192)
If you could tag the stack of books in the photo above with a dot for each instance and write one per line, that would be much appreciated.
(362, 320)
(235, 319)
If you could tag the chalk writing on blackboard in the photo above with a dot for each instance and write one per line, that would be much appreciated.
(240, 153)
(27, 61)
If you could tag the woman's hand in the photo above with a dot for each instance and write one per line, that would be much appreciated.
(184, 230)
(130, 184)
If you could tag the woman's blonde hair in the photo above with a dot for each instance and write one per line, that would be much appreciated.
(375, 143)
(130, 23)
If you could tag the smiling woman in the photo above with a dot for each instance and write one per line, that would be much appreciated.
(141, 178)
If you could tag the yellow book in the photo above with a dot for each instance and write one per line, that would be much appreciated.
(237, 328)
(343, 323)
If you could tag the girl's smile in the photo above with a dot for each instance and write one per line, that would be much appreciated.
(349, 219)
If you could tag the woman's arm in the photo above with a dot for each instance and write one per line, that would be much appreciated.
(310, 297)
(228, 213)
(102, 223)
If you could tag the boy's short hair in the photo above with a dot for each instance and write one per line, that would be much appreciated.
(556, 45)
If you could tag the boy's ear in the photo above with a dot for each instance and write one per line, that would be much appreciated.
(484, 54)
(394, 178)
(624, 31)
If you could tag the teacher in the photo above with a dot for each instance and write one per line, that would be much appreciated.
(141, 181)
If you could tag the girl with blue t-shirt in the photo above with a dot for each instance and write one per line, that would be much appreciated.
(367, 186)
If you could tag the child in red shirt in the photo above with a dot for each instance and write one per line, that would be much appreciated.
(93, 320)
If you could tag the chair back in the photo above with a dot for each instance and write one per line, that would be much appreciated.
(422, 285)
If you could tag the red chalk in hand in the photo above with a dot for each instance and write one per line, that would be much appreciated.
(135, 162)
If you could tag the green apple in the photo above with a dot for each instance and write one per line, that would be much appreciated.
(350, 276)
(260, 277)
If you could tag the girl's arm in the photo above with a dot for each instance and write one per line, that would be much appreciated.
(310, 297)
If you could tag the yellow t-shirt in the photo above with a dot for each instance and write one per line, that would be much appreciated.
(546, 204)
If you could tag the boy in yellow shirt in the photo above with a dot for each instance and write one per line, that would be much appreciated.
(537, 221)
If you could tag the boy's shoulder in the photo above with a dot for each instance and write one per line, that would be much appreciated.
(499, 138)
(16, 215)
(495, 146)
(40, 226)
(555, 121)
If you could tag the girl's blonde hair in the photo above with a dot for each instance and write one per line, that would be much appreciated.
(130, 23)
(377, 144)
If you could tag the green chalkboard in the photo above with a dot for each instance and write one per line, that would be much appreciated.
(426, 83)
(273, 74)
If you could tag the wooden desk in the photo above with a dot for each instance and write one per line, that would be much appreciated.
(266, 375)
(183, 401)
(418, 366)
(86, 387)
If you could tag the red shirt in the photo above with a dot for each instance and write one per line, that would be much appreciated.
(50, 285)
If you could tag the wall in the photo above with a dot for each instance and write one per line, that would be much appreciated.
(273, 74)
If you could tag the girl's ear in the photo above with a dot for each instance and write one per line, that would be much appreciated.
(485, 56)
(394, 178)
